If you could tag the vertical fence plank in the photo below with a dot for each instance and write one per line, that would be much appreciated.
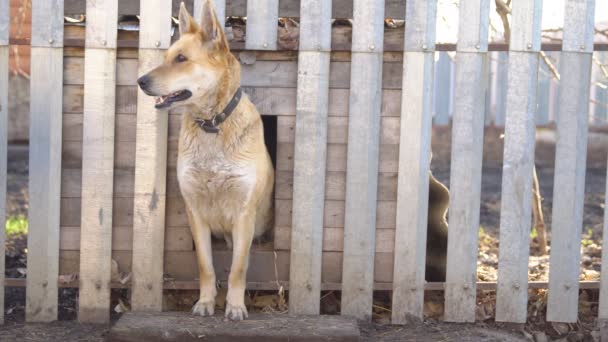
(518, 162)
(570, 160)
(98, 161)
(414, 161)
(220, 10)
(309, 157)
(467, 147)
(543, 95)
(4, 24)
(362, 158)
(46, 83)
(150, 165)
(442, 89)
(500, 90)
(262, 24)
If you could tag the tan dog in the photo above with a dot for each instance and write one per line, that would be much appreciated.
(225, 173)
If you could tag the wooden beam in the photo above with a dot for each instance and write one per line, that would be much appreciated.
(309, 157)
(570, 161)
(98, 162)
(4, 25)
(467, 149)
(45, 160)
(414, 162)
(150, 166)
(362, 158)
(518, 164)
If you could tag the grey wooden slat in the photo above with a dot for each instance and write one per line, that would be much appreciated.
(467, 148)
(413, 187)
(569, 182)
(97, 36)
(500, 95)
(600, 112)
(518, 163)
(414, 162)
(47, 23)
(570, 161)
(362, 159)
(543, 96)
(4, 24)
(45, 161)
(150, 167)
(603, 302)
(442, 89)
(578, 26)
(309, 157)
(262, 22)
(97, 165)
(474, 25)
(465, 187)
(487, 78)
(4, 21)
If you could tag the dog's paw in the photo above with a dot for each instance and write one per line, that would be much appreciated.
(236, 312)
(204, 308)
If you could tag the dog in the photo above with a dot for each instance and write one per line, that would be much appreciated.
(437, 231)
(224, 171)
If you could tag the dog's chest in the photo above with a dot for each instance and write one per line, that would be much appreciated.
(214, 177)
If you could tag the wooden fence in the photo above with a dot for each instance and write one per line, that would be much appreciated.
(103, 189)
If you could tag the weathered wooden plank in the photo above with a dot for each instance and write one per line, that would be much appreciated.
(570, 160)
(414, 162)
(579, 26)
(569, 182)
(603, 302)
(465, 187)
(4, 24)
(467, 148)
(262, 19)
(309, 157)
(362, 158)
(442, 90)
(518, 164)
(47, 23)
(413, 186)
(150, 167)
(500, 91)
(45, 160)
(97, 166)
(474, 24)
(543, 94)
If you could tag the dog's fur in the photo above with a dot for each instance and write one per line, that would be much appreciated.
(226, 179)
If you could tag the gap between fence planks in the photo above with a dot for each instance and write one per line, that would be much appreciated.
(362, 158)
(150, 166)
(518, 166)
(570, 160)
(414, 162)
(98, 162)
(45, 160)
(310, 157)
(4, 25)
(467, 149)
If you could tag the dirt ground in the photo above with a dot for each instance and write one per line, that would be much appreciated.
(67, 329)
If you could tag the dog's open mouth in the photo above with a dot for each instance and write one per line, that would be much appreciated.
(166, 100)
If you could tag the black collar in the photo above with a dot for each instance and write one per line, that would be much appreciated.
(213, 125)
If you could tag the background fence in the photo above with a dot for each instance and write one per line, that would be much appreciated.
(103, 188)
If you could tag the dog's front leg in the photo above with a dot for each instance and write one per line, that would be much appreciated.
(201, 234)
(242, 236)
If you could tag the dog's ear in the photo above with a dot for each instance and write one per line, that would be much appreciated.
(211, 27)
(186, 22)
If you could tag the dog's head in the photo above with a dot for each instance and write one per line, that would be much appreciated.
(194, 66)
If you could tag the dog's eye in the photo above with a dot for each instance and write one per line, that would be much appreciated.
(180, 58)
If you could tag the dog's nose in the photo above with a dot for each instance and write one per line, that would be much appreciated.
(144, 81)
